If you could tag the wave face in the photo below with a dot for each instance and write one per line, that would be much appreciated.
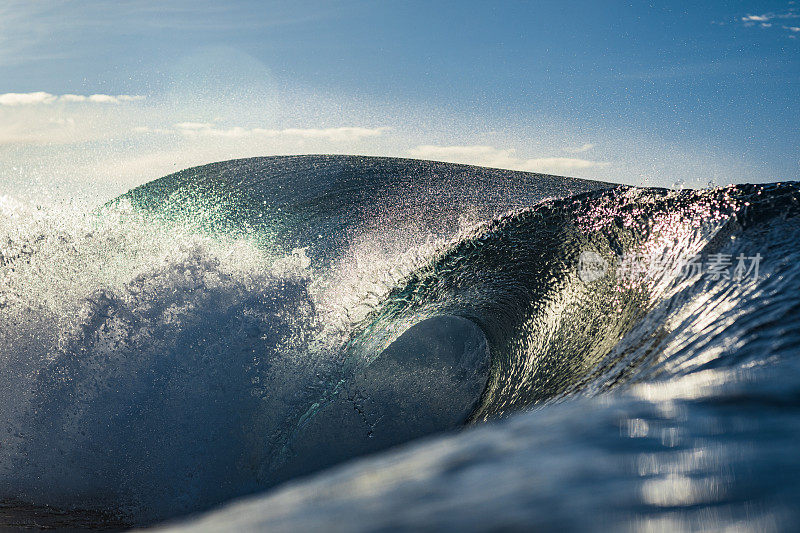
(230, 327)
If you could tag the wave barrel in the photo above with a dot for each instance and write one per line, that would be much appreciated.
(428, 380)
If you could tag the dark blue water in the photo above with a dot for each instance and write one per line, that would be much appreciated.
(591, 356)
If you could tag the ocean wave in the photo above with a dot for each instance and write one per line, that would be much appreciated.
(230, 327)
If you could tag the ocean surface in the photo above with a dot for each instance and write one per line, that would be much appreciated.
(360, 344)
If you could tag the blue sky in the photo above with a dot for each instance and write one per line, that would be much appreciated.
(643, 93)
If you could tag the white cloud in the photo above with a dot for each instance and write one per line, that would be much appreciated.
(562, 163)
(101, 98)
(130, 97)
(205, 129)
(765, 19)
(40, 97)
(109, 99)
(333, 134)
(580, 149)
(792, 28)
(757, 18)
(14, 99)
(73, 98)
(45, 119)
(489, 156)
(28, 130)
(194, 126)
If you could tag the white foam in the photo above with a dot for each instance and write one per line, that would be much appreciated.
(144, 367)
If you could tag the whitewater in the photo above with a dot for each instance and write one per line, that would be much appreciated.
(360, 344)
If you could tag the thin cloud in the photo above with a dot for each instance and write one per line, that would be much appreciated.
(766, 17)
(489, 156)
(768, 20)
(204, 129)
(44, 98)
(757, 18)
(101, 98)
(580, 149)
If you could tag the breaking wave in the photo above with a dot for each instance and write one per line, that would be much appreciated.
(224, 329)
